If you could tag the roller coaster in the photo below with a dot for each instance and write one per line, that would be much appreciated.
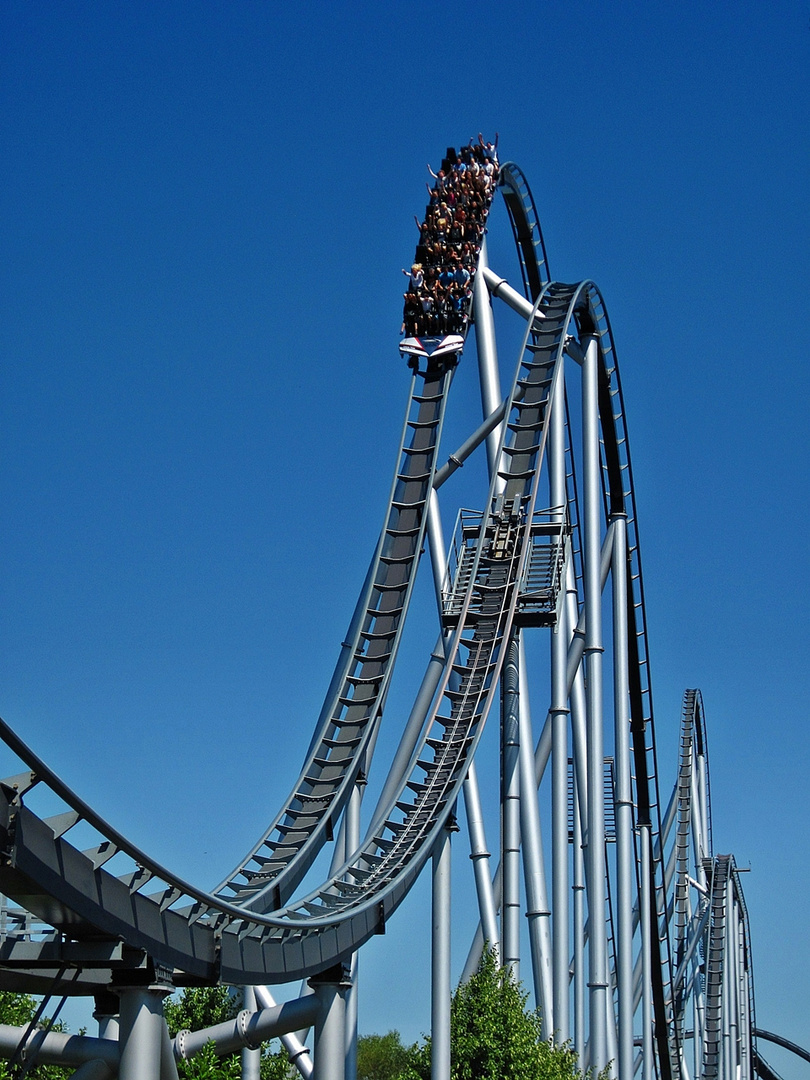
(639, 940)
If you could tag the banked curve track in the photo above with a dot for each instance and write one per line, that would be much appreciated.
(248, 930)
(227, 928)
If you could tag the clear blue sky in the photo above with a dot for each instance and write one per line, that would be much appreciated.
(204, 210)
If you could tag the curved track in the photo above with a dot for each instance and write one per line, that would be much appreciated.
(105, 898)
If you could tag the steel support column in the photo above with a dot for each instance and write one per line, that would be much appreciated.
(487, 356)
(559, 741)
(440, 961)
(479, 854)
(352, 843)
(595, 850)
(645, 900)
(296, 1051)
(623, 801)
(510, 809)
(534, 870)
(251, 1057)
(330, 1024)
(141, 1031)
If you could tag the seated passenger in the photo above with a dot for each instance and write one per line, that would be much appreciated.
(417, 278)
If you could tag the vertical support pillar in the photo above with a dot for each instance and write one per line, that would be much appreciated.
(251, 1058)
(440, 960)
(352, 843)
(330, 1027)
(510, 809)
(141, 1030)
(436, 545)
(559, 742)
(487, 356)
(595, 852)
(479, 855)
(645, 900)
(729, 996)
(534, 870)
(623, 797)
(579, 928)
(105, 1013)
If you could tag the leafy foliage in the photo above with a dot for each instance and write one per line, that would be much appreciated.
(492, 1037)
(200, 1008)
(18, 1010)
(383, 1057)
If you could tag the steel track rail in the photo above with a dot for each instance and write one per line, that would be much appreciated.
(692, 746)
(212, 936)
(213, 932)
(619, 495)
(716, 960)
(280, 859)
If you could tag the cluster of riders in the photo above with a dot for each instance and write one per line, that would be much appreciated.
(440, 280)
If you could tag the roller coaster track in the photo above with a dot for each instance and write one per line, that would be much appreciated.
(106, 900)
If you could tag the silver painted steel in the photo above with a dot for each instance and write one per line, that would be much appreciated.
(441, 988)
(623, 800)
(595, 828)
(662, 892)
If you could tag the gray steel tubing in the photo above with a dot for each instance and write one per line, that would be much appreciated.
(734, 992)
(330, 1030)
(580, 975)
(480, 855)
(559, 714)
(251, 1056)
(499, 287)
(413, 729)
(577, 644)
(725, 1071)
(574, 688)
(574, 675)
(351, 1020)
(458, 457)
(296, 1051)
(704, 802)
(575, 681)
(250, 1029)
(141, 1033)
(346, 646)
(623, 798)
(510, 809)
(644, 838)
(436, 546)
(595, 849)
(699, 847)
(745, 1011)
(479, 852)
(487, 356)
(440, 962)
(352, 833)
(168, 1062)
(534, 872)
(58, 1048)
(695, 937)
(432, 676)
(93, 1070)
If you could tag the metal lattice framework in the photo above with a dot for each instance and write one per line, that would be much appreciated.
(639, 939)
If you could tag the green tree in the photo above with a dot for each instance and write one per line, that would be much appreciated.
(19, 1010)
(383, 1057)
(202, 1007)
(494, 1037)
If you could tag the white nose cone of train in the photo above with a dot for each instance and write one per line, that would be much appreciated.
(432, 347)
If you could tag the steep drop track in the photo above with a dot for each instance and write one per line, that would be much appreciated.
(112, 906)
